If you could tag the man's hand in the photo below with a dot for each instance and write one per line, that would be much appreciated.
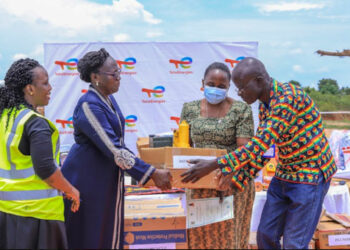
(199, 170)
(223, 182)
(162, 178)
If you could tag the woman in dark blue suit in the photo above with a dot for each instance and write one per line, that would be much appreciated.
(98, 159)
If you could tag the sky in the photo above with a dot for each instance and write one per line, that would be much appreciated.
(288, 32)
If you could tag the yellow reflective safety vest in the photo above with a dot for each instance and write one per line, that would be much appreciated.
(22, 192)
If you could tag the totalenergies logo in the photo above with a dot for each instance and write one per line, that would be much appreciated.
(68, 122)
(70, 64)
(128, 63)
(131, 120)
(156, 91)
(176, 119)
(184, 62)
(234, 62)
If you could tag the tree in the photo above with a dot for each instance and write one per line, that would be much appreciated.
(345, 91)
(328, 86)
(309, 90)
(295, 83)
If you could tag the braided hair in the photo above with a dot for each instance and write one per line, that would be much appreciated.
(220, 66)
(17, 77)
(90, 63)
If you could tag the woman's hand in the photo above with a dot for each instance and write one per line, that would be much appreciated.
(199, 170)
(57, 181)
(74, 196)
(162, 178)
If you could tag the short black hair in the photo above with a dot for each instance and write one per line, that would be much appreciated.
(17, 77)
(91, 62)
(220, 66)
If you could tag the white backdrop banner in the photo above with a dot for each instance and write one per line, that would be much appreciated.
(157, 78)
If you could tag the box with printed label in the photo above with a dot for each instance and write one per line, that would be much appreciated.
(155, 221)
(175, 159)
(333, 232)
(162, 233)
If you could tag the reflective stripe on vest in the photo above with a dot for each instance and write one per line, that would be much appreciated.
(13, 173)
(28, 194)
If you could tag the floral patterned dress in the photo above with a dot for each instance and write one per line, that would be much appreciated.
(221, 133)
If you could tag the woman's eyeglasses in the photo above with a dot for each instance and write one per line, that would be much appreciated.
(115, 74)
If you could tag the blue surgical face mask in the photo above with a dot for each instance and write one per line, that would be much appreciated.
(214, 95)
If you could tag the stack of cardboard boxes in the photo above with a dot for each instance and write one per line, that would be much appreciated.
(333, 232)
(155, 221)
(148, 225)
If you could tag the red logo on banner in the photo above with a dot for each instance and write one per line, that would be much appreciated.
(65, 124)
(70, 65)
(127, 64)
(184, 63)
(156, 92)
(234, 62)
(176, 119)
(130, 121)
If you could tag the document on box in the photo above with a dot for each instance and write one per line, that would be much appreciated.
(202, 212)
(180, 161)
(339, 240)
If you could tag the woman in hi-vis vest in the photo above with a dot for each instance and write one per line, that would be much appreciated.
(31, 205)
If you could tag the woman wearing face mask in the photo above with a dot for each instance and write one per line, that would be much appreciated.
(218, 121)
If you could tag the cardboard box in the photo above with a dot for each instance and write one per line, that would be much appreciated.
(163, 157)
(174, 159)
(142, 142)
(161, 233)
(332, 235)
(207, 181)
(155, 221)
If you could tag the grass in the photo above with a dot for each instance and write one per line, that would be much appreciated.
(340, 124)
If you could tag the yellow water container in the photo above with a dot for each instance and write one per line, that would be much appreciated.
(176, 138)
(184, 135)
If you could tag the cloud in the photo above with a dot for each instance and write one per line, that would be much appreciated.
(19, 56)
(322, 69)
(298, 68)
(296, 51)
(121, 37)
(152, 34)
(2, 82)
(38, 51)
(77, 15)
(292, 6)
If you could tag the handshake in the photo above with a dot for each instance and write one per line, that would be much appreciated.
(162, 178)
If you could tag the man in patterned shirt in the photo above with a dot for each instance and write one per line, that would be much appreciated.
(290, 120)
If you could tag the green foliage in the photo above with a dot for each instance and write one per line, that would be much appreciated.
(328, 86)
(329, 102)
(345, 91)
(329, 97)
(309, 90)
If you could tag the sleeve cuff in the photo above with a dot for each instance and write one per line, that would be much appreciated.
(237, 183)
(147, 175)
(224, 165)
